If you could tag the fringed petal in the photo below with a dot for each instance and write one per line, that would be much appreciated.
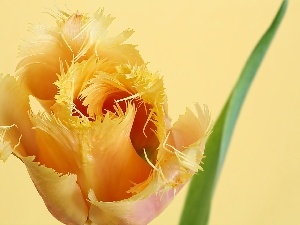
(183, 151)
(58, 144)
(61, 193)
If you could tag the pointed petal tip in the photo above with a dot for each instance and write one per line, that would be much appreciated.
(5, 146)
(189, 128)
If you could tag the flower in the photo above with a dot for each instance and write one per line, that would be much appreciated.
(90, 123)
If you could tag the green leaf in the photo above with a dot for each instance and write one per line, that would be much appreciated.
(198, 202)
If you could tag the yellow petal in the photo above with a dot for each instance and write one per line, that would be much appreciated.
(134, 84)
(60, 193)
(78, 76)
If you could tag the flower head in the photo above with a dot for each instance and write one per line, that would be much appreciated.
(90, 122)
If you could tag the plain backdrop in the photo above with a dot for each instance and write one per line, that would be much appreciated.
(200, 48)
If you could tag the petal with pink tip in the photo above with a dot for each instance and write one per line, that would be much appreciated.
(129, 212)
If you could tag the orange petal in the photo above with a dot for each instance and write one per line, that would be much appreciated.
(114, 164)
(38, 72)
(40, 62)
(58, 145)
(60, 193)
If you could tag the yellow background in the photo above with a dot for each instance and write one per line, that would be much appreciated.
(200, 47)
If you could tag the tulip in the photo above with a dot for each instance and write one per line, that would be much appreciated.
(90, 123)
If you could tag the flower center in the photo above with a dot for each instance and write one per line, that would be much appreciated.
(80, 107)
(142, 135)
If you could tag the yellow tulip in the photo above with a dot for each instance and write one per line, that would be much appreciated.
(90, 123)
